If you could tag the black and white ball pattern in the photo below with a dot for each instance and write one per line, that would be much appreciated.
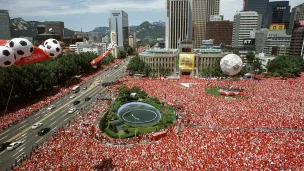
(52, 49)
(231, 64)
(7, 56)
(21, 47)
(53, 41)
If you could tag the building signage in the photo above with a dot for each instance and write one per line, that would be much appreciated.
(298, 24)
(281, 8)
(249, 42)
(216, 17)
(207, 42)
(277, 27)
(186, 61)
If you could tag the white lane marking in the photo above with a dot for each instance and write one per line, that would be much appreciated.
(36, 118)
(19, 155)
(53, 118)
(18, 152)
(39, 140)
(22, 126)
(22, 121)
(66, 119)
(2, 152)
(3, 137)
(4, 132)
(53, 123)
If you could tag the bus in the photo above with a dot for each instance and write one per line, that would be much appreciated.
(75, 89)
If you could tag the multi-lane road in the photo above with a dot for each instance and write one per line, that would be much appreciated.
(53, 119)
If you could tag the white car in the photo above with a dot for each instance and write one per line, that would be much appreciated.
(14, 145)
(51, 107)
(36, 125)
(72, 96)
(72, 110)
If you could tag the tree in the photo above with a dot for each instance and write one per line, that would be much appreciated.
(236, 51)
(286, 65)
(122, 54)
(130, 50)
(250, 56)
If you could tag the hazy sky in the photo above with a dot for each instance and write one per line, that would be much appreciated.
(88, 14)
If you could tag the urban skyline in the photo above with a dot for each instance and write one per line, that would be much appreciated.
(95, 15)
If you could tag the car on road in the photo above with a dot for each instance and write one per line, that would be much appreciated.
(14, 145)
(72, 110)
(43, 131)
(84, 88)
(72, 96)
(3, 146)
(51, 107)
(87, 99)
(76, 102)
(36, 125)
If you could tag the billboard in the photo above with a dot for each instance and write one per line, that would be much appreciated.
(249, 41)
(207, 42)
(216, 17)
(277, 27)
(298, 24)
(186, 61)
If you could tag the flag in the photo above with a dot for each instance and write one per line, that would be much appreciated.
(99, 58)
(3, 42)
(38, 55)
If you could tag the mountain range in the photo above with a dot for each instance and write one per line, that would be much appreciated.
(146, 30)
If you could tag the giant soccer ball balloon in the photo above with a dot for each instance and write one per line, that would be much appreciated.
(21, 47)
(52, 49)
(54, 41)
(7, 56)
(41, 47)
(231, 64)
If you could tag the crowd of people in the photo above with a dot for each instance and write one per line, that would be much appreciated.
(262, 132)
(22, 111)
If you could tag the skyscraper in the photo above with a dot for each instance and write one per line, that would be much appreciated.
(259, 6)
(278, 13)
(244, 23)
(202, 10)
(178, 22)
(220, 31)
(56, 26)
(296, 14)
(5, 26)
(119, 28)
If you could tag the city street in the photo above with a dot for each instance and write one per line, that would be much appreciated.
(53, 119)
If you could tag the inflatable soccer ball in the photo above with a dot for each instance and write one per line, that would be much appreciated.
(231, 64)
(21, 47)
(54, 41)
(52, 49)
(7, 56)
(41, 47)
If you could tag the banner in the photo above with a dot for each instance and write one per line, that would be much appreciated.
(277, 27)
(248, 41)
(99, 58)
(216, 17)
(186, 61)
(38, 55)
(3, 42)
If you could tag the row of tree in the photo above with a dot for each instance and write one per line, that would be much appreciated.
(19, 84)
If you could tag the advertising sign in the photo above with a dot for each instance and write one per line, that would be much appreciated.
(186, 61)
(298, 24)
(216, 17)
(277, 27)
(207, 42)
(249, 42)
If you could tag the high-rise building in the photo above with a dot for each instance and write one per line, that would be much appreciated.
(297, 13)
(202, 10)
(296, 44)
(244, 23)
(272, 42)
(220, 31)
(5, 26)
(56, 26)
(119, 27)
(178, 22)
(40, 29)
(278, 13)
(259, 6)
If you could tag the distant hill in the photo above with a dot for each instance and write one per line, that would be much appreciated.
(28, 28)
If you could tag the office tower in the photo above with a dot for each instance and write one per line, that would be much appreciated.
(244, 23)
(297, 13)
(56, 26)
(278, 13)
(272, 42)
(5, 25)
(178, 22)
(259, 6)
(220, 31)
(297, 40)
(119, 28)
(202, 10)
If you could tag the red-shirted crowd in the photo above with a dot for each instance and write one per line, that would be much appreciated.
(20, 112)
(262, 132)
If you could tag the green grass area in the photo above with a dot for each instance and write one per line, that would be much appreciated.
(167, 118)
(213, 91)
